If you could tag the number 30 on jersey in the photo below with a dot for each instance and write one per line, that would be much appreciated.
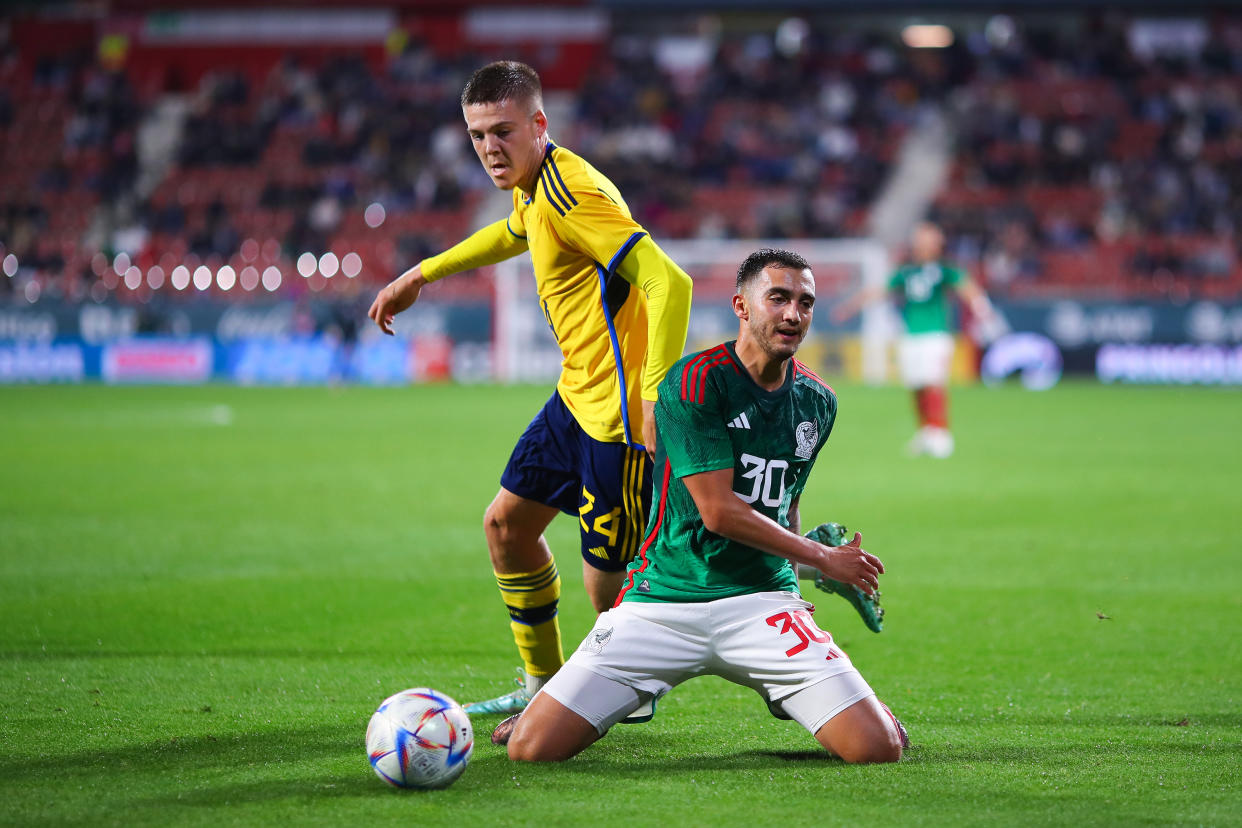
(766, 475)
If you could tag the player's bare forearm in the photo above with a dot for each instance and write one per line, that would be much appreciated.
(725, 514)
(395, 297)
(976, 299)
(649, 428)
(850, 308)
(795, 516)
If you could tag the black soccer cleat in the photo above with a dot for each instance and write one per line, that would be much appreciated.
(901, 729)
(504, 730)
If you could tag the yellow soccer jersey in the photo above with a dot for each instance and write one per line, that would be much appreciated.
(578, 229)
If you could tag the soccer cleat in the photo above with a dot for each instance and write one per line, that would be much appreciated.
(500, 736)
(901, 729)
(504, 730)
(508, 704)
(645, 712)
(778, 710)
(939, 443)
(868, 606)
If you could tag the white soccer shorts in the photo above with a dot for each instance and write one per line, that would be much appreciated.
(765, 641)
(923, 359)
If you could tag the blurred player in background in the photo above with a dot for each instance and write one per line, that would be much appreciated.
(714, 591)
(922, 290)
(619, 308)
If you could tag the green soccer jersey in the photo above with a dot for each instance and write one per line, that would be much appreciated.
(925, 296)
(712, 415)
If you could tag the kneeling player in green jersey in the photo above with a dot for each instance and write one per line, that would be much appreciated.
(714, 590)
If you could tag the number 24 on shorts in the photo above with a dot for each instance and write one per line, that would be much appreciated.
(801, 624)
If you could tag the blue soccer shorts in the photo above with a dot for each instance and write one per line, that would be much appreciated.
(607, 486)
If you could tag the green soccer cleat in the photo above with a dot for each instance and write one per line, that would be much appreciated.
(644, 713)
(868, 606)
(508, 704)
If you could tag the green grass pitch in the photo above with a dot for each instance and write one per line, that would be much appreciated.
(204, 592)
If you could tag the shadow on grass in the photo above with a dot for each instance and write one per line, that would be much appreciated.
(324, 786)
(190, 754)
(1079, 719)
(955, 753)
(357, 783)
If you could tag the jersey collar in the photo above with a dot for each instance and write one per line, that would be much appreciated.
(547, 152)
(730, 346)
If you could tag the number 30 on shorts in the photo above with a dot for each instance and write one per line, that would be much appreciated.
(801, 624)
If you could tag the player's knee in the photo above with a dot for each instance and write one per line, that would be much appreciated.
(499, 526)
(528, 746)
(875, 748)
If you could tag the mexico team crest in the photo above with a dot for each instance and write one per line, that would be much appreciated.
(595, 642)
(808, 436)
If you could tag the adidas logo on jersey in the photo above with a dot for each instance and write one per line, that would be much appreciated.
(740, 421)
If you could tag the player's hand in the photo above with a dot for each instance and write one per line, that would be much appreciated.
(853, 565)
(395, 297)
(649, 436)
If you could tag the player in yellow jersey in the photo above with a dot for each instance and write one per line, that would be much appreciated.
(619, 308)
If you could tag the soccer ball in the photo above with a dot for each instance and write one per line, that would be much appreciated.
(419, 738)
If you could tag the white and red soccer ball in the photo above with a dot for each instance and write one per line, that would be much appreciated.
(419, 738)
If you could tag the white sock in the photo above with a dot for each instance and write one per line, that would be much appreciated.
(534, 683)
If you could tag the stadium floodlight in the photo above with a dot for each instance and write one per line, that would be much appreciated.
(180, 277)
(99, 263)
(226, 277)
(121, 263)
(155, 277)
(10, 265)
(271, 278)
(791, 36)
(927, 36)
(351, 265)
(133, 277)
(307, 264)
(249, 277)
(202, 277)
(329, 265)
(375, 214)
(249, 250)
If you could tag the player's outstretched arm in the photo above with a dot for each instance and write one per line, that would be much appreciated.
(492, 244)
(725, 514)
(978, 301)
(395, 297)
(850, 308)
(668, 289)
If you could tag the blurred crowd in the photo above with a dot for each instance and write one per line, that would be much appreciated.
(1083, 158)
(1102, 156)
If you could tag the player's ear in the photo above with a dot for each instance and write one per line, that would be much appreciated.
(541, 123)
(739, 307)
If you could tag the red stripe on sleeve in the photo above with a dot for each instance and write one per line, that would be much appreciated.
(655, 530)
(700, 387)
(685, 373)
(802, 369)
(692, 368)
